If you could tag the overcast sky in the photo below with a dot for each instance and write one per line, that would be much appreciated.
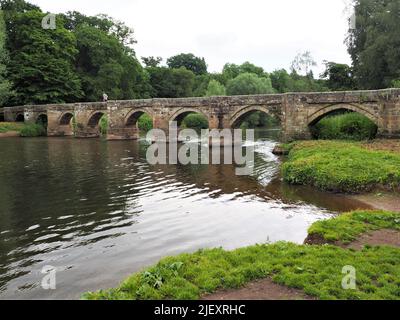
(268, 33)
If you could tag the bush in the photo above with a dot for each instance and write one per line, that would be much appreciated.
(103, 125)
(347, 126)
(145, 123)
(195, 121)
(33, 130)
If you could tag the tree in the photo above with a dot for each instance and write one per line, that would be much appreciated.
(249, 83)
(231, 70)
(171, 83)
(189, 61)
(302, 63)
(374, 43)
(41, 65)
(215, 89)
(105, 63)
(5, 85)
(339, 76)
(152, 61)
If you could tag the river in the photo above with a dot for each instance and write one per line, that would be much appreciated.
(96, 211)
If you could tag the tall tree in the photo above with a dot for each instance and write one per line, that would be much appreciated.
(303, 63)
(152, 61)
(5, 85)
(106, 62)
(189, 61)
(339, 76)
(374, 43)
(171, 83)
(41, 64)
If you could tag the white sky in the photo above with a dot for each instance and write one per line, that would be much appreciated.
(268, 33)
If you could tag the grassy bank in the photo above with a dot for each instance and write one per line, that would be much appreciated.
(347, 227)
(23, 129)
(341, 166)
(315, 269)
(10, 127)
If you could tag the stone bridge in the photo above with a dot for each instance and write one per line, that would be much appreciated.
(297, 112)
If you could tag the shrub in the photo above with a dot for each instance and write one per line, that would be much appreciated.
(33, 130)
(10, 126)
(347, 126)
(195, 121)
(103, 125)
(145, 123)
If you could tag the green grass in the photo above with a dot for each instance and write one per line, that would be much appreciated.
(33, 130)
(317, 270)
(347, 126)
(341, 167)
(347, 227)
(10, 126)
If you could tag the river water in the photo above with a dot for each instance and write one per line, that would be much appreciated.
(96, 211)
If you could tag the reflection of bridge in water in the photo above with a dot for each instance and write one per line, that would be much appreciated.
(296, 111)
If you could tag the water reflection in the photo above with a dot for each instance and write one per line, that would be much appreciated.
(97, 211)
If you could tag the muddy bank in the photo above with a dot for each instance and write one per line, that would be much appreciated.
(260, 290)
(380, 201)
(9, 134)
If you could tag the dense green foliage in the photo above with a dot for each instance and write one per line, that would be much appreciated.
(374, 43)
(347, 126)
(195, 121)
(283, 82)
(103, 125)
(171, 83)
(86, 56)
(145, 123)
(215, 89)
(5, 85)
(33, 130)
(249, 83)
(41, 61)
(258, 119)
(339, 76)
(188, 61)
(341, 166)
(347, 227)
(315, 269)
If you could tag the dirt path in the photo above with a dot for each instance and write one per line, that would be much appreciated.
(376, 238)
(260, 290)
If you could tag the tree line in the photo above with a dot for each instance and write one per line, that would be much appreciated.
(86, 56)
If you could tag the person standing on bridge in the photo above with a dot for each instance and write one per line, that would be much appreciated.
(105, 97)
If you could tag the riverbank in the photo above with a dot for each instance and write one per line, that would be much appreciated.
(15, 129)
(343, 166)
(295, 271)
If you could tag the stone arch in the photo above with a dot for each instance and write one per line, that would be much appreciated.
(247, 109)
(66, 118)
(42, 119)
(20, 117)
(94, 119)
(134, 115)
(181, 113)
(326, 110)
